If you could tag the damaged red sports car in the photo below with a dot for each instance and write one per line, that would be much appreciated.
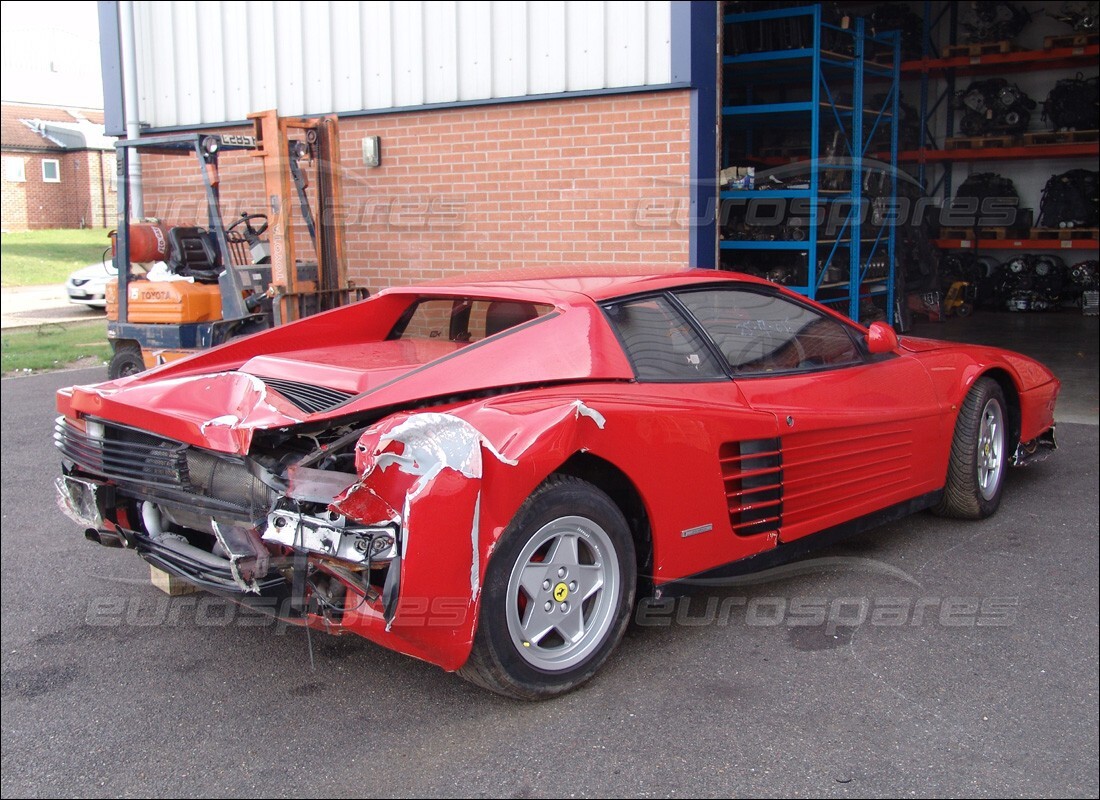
(486, 474)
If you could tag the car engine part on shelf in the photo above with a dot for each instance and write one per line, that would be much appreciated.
(994, 21)
(1084, 286)
(993, 106)
(896, 17)
(1073, 104)
(1031, 283)
(1071, 200)
(780, 275)
(877, 268)
(1083, 17)
(1085, 275)
(985, 199)
(1050, 276)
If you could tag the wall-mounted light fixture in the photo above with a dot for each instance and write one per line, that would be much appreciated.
(372, 151)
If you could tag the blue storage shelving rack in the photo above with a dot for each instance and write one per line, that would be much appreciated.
(855, 244)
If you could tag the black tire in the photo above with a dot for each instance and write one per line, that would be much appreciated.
(126, 361)
(974, 487)
(561, 510)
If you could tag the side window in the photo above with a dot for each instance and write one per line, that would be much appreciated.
(661, 344)
(760, 333)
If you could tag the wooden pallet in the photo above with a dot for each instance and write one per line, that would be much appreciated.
(1065, 234)
(981, 49)
(956, 233)
(979, 142)
(1061, 137)
(1071, 40)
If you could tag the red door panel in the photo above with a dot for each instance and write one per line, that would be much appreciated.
(854, 439)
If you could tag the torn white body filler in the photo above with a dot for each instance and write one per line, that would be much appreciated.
(431, 466)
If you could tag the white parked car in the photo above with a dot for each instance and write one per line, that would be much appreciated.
(88, 285)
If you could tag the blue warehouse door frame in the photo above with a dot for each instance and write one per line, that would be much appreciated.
(695, 62)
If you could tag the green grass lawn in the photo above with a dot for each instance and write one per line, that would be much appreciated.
(54, 346)
(36, 258)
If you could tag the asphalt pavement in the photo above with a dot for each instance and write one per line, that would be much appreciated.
(927, 657)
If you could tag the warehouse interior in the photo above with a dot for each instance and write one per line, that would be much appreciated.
(977, 139)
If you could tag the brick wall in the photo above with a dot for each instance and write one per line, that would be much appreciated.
(562, 182)
(13, 210)
(75, 201)
(102, 195)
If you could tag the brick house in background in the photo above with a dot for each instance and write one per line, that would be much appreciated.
(58, 168)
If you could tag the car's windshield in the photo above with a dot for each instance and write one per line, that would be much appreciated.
(463, 320)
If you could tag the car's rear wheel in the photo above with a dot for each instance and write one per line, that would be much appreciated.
(557, 593)
(126, 361)
(979, 454)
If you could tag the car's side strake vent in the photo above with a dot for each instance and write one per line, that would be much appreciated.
(309, 398)
(752, 472)
(125, 455)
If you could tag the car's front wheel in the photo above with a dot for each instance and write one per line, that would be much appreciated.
(557, 593)
(979, 454)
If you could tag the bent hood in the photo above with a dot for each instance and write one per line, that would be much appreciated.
(319, 369)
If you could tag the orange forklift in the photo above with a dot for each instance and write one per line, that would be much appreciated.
(263, 269)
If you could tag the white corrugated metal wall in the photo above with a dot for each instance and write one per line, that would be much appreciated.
(209, 62)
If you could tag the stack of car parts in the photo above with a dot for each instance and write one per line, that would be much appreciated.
(987, 21)
(1084, 278)
(1032, 283)
(1073, 104)
(1071, 200)
(993, 107)
(986, 200)
(1083, 17)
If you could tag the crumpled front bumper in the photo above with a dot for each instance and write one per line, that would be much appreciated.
(1036, 450)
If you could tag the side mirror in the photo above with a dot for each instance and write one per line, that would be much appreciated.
(881, 338)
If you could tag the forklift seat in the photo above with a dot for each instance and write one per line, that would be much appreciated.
(193, 254)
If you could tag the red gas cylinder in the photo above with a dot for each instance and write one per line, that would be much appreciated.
(148, 242)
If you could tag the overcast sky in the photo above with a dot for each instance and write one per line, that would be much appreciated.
(50, 53)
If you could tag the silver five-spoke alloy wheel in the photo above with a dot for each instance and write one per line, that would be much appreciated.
(563, 592)
(991, 445)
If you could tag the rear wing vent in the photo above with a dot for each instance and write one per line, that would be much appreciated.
(752, 473)
(309, 398)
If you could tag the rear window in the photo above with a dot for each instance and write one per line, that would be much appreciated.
(661, 344)
(463, 320)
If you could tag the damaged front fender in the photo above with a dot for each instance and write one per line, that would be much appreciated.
(451, 482)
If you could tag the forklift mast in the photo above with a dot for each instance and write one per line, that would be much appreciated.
(305, 268)
(290, 148)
